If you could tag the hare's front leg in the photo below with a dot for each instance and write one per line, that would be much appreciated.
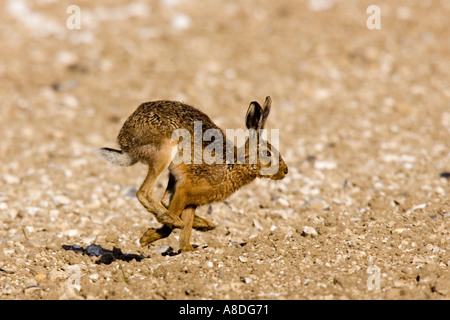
(200, 224)
(178, 207)
(188, 219)
(152, 234)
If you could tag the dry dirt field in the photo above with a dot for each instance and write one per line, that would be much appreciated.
(364, 119)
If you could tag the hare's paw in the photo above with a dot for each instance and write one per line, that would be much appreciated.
(202, 224)
(187, 248)
(148, 237)
(152, 234)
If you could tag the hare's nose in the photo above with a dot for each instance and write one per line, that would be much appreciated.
(286, 170)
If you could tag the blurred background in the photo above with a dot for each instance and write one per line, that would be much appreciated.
(327, 72)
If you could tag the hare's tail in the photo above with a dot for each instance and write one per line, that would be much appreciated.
(117, 157)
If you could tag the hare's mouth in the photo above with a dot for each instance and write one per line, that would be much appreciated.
(280, 174)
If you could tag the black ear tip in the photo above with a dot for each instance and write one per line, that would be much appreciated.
(255, 103)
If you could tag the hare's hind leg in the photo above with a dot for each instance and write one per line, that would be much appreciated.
(152, 234)
(157, 163)
(202, 224)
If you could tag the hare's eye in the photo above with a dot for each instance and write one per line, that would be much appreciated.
(266, 153)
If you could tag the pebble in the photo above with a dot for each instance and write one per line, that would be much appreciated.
(181, 21)
(320, 5)
(162, 249)
(32, 210)
(257, 224)
(66, 58)
(309, 231)
(10, 179)
(284, 202)
(71, 232)
(130, 192)
(320, 165)
(71, 102)
(246, 280)
(61, 200)
(419, 206)
(89, 239)
(398, 230)
(65, 85)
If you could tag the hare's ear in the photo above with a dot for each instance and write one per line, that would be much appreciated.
(254, 116)
(266, 111)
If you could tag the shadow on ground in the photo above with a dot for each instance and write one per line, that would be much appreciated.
(106, 256)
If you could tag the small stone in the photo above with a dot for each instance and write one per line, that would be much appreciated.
(283, 202)
(32, 210)
(71, 102)
(10, 179)
(246, 280)
(324, 165)
(66, 58)
(181, 21)
(309, 231)
(65, 85)
(320, 5)
(105, 274)
(130, 192)
(61, 200)
(94, 276)
(419, 206)
(257, 224)
(13, 213)
(242, 259)
(89, 239)
(71, 232)
(398, 230)
(162, 249)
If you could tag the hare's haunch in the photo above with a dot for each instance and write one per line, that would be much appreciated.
(208, 171)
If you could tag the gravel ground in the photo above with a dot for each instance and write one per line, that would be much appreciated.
(364, 123)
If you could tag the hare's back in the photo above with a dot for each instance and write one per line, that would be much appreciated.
(155, 121)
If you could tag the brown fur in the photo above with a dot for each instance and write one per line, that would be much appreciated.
(146, 137)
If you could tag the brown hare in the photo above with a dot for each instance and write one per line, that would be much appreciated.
(148, 136)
